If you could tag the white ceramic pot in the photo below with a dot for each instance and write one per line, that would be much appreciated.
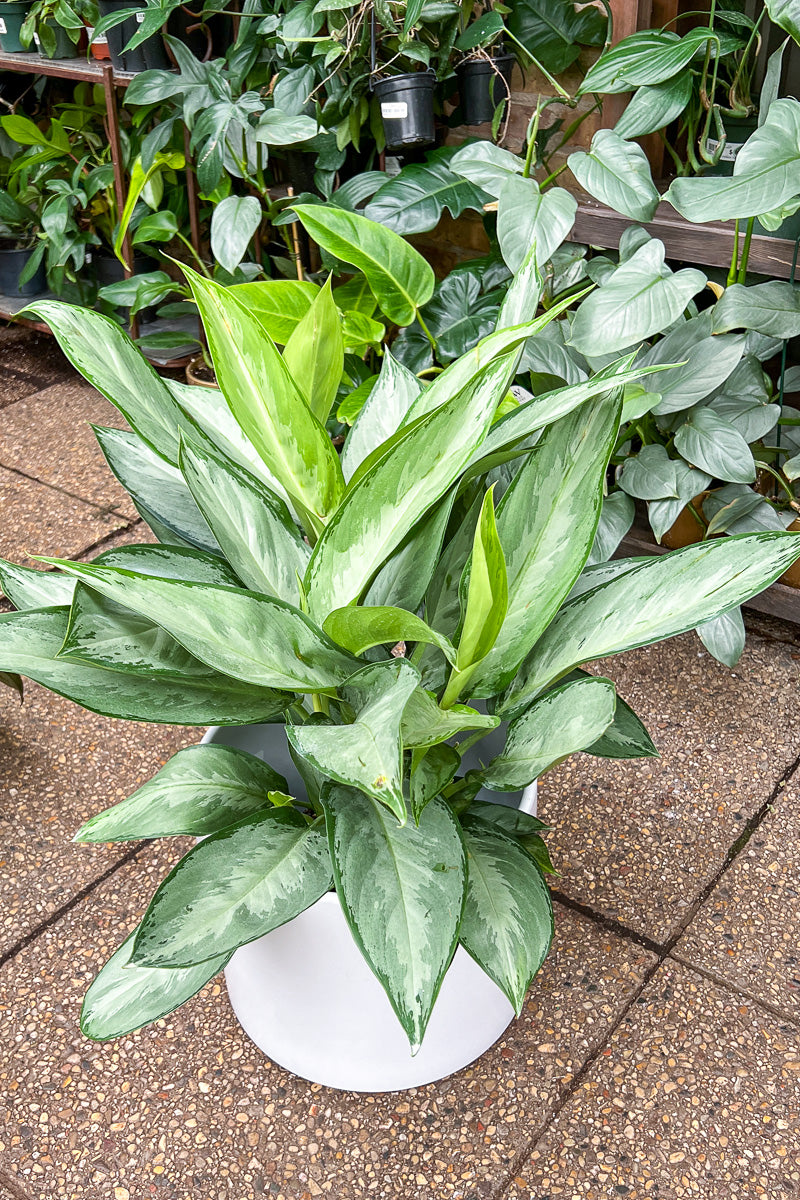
(305, 995)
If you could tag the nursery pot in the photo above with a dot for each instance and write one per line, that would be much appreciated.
(151, 55)
(406, 104)
(197, 373)
(738, 130)
(305, 995)
(792, 576)
(12, 17)
(483, 84)
(65, 47)
(685, 530)
(12, 263)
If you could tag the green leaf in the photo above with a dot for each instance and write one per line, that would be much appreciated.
(724, 637)
(390, 880)
(388, 402)
(711, 443)
(512, 821)
(384, 504)
(279, 305)
(276, 128)
(9, 679)
(785, 13)
(124, 996)
(258, 639)
(765, 175)
(480, 32)
(360, 628)
(706, 362)
(199, 791)
(616, 518)
(415, 200)
(626, 736)
(546, 544)
(568, 719)
(106, 356)
(431, 770)
(526, 215)
(554, 30)
(30, 644)
(656, 106)
(772, 308)
(233, 887)
(403, 579)
(658, 599)
(617, 173)
(507, 925)
(266, 403)
(644, 58)
(252, 525)
(486, 165)
(400, 278)
(233, 222)
(426, 724)
(458, 316)
(27, 588)
(367, 754)
(314, 354)
(638, 300)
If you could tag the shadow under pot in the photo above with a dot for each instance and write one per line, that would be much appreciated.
(150, 56)
(406, 105)
(12, 18)
(483, 83)
(12, 263)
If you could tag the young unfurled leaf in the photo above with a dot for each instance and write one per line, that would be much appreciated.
(314, 354)
(426, 724)
(359, 628)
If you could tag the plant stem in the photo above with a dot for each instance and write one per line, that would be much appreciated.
(320, 703)
(194, 254)
(531, 149)
(746, 250)
(427, 332)
(762, 466)
(538, 65)
(553, 175)
(734, 267)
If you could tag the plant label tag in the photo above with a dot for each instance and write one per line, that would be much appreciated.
(730, 151)
(3, 26)
(139, 18)
(36, 40)
(395, 112)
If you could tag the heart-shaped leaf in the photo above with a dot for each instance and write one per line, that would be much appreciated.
(617, 173)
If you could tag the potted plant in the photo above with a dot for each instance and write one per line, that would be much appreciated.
(484, 72)
(12, 18)
(55, 27)
(383, 612)
(22, 269)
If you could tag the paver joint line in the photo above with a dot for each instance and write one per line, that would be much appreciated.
(109, 508)
(721, 982)
(12, 1187)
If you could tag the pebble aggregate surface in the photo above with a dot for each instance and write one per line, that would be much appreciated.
(658, 1052)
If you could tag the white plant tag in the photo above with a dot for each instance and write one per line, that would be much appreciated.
(730, 151)
(3, 26)
(139, 18)
(395, 111)
(36, 40)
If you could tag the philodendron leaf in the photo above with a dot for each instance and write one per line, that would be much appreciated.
(641, 298)
(107, 357)
(27, 588)
(711, 443)
(705, 361)
(124, 996)
(358, 629)
(394, 392)
(765, 175)
(367, 754)
(616, 518)
(234, 220)
(400, 278)
(724, 637)
(391, 880)
(507, 925)
(655, 106)
(30, 643)
(617, 173)
(649, 57)
(384, 504)
(772, 308)
(785, 13)
(486, 601)
(199, 791)
(546, 544)
(9, 679)
(279, 305)
(424, 723)
(233, 887)
(251, 524)
(658, 599)
(487, 165)
(526, 215)
(415, 200)
(431, 770)
(314, 354)
(568, 719)
(257, 639)
(266, 402)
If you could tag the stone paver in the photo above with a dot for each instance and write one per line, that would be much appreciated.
(30, 362)
(748, 931)
(639, 840)
(697, 1095)
(48, 437)
(191, 1108)
(58, 766)
(37, 519)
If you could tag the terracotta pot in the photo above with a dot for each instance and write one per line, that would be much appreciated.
(685, 531)
(196, 371)
(792, 576)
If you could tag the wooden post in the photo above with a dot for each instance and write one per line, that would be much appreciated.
(112, 122)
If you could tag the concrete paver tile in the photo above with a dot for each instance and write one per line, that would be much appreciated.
(37, 519)
(30, 361)
(697, 1095)
(48, 436)
(58, 766)
(639, 840)
(190, 1108)
(748, 931)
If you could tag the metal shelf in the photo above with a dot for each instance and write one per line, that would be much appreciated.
(91, 70)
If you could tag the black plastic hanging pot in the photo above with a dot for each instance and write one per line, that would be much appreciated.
(483, 84)
(406, 104)
(12, 264)
(12, 17)
(150, 56)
